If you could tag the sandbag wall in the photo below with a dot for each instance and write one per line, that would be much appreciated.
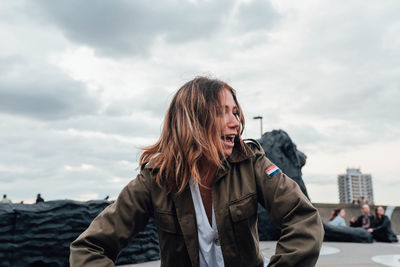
(40, 235)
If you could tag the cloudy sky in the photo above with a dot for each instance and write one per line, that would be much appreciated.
(84, 85)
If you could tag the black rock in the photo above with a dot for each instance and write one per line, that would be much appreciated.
(280, 149)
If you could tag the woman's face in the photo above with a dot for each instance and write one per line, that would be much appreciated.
(229, 121)
(342, 213)
(380, 211)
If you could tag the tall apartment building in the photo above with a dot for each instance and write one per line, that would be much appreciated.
(354, 185)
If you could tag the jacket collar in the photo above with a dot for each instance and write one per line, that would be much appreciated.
(240, 154)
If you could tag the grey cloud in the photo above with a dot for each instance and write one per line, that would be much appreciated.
(5, 177)
(353, 39)
(121, 28)
(154, 101)
(257, 14)
(320, 179)
(41, 158)
(352, 74)
(38, 90)
(135, 125)
(375, 105)
(305, 134)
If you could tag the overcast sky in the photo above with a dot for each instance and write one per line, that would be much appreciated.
(84, 85)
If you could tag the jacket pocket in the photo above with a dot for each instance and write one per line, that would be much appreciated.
(243, 208)
(173, 250)
(244, 223)
(168, 222)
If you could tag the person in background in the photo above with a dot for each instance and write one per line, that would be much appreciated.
(337, 217)
(382, 230)
(5, 199)
(366, 220)
(202, 183)
(39, 199)
(361, 201)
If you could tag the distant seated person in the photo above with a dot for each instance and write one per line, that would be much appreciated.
(382, 230)
(365, 221)
(5, 199)
(361, 201)
(39, 199)
(337, 217)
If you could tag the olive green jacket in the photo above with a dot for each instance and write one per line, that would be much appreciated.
(237, 189)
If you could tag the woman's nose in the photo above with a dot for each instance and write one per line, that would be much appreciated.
(233, 121)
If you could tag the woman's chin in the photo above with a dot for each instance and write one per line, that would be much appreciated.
(227, 152)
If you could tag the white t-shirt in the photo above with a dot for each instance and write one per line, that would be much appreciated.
(337, 221)
(210, 253)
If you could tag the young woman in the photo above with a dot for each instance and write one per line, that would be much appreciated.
(202, 183)
(337, 217)
(382, 230)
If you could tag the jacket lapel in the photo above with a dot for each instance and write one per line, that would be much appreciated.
(187, 220)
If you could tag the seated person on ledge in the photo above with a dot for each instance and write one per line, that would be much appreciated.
(365, 221)
(337, 217)
(382, 230)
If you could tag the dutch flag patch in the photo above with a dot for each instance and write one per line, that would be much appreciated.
(272, 170)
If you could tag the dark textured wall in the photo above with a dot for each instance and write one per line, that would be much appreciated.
(40, 235)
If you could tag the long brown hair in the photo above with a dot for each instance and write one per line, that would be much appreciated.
(334, 213)
(191, 131)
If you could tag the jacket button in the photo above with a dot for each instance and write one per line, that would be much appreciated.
(216, 241)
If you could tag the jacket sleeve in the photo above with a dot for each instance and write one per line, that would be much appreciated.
(384, 224)
(113, 228)
(357, 223)
(301, 226)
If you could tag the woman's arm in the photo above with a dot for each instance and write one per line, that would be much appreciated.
(301, 226)
(357, 223)
(384, 224)
(112, 229)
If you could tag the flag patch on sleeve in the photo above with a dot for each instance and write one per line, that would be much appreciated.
(272, 170)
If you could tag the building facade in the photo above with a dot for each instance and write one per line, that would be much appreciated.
(354, 186)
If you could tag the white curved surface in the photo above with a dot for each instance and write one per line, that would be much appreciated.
(389, 211)
(325, 250)
(388, 260)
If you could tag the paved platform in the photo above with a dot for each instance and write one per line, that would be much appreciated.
(337, 254)
(351, 254)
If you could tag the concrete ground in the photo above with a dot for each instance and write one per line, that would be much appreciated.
(337, 254)
(351, 254)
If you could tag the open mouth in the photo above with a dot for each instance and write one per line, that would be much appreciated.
(228, 139)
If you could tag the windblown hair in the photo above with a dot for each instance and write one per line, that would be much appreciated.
(334, 213)
(191, 132)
